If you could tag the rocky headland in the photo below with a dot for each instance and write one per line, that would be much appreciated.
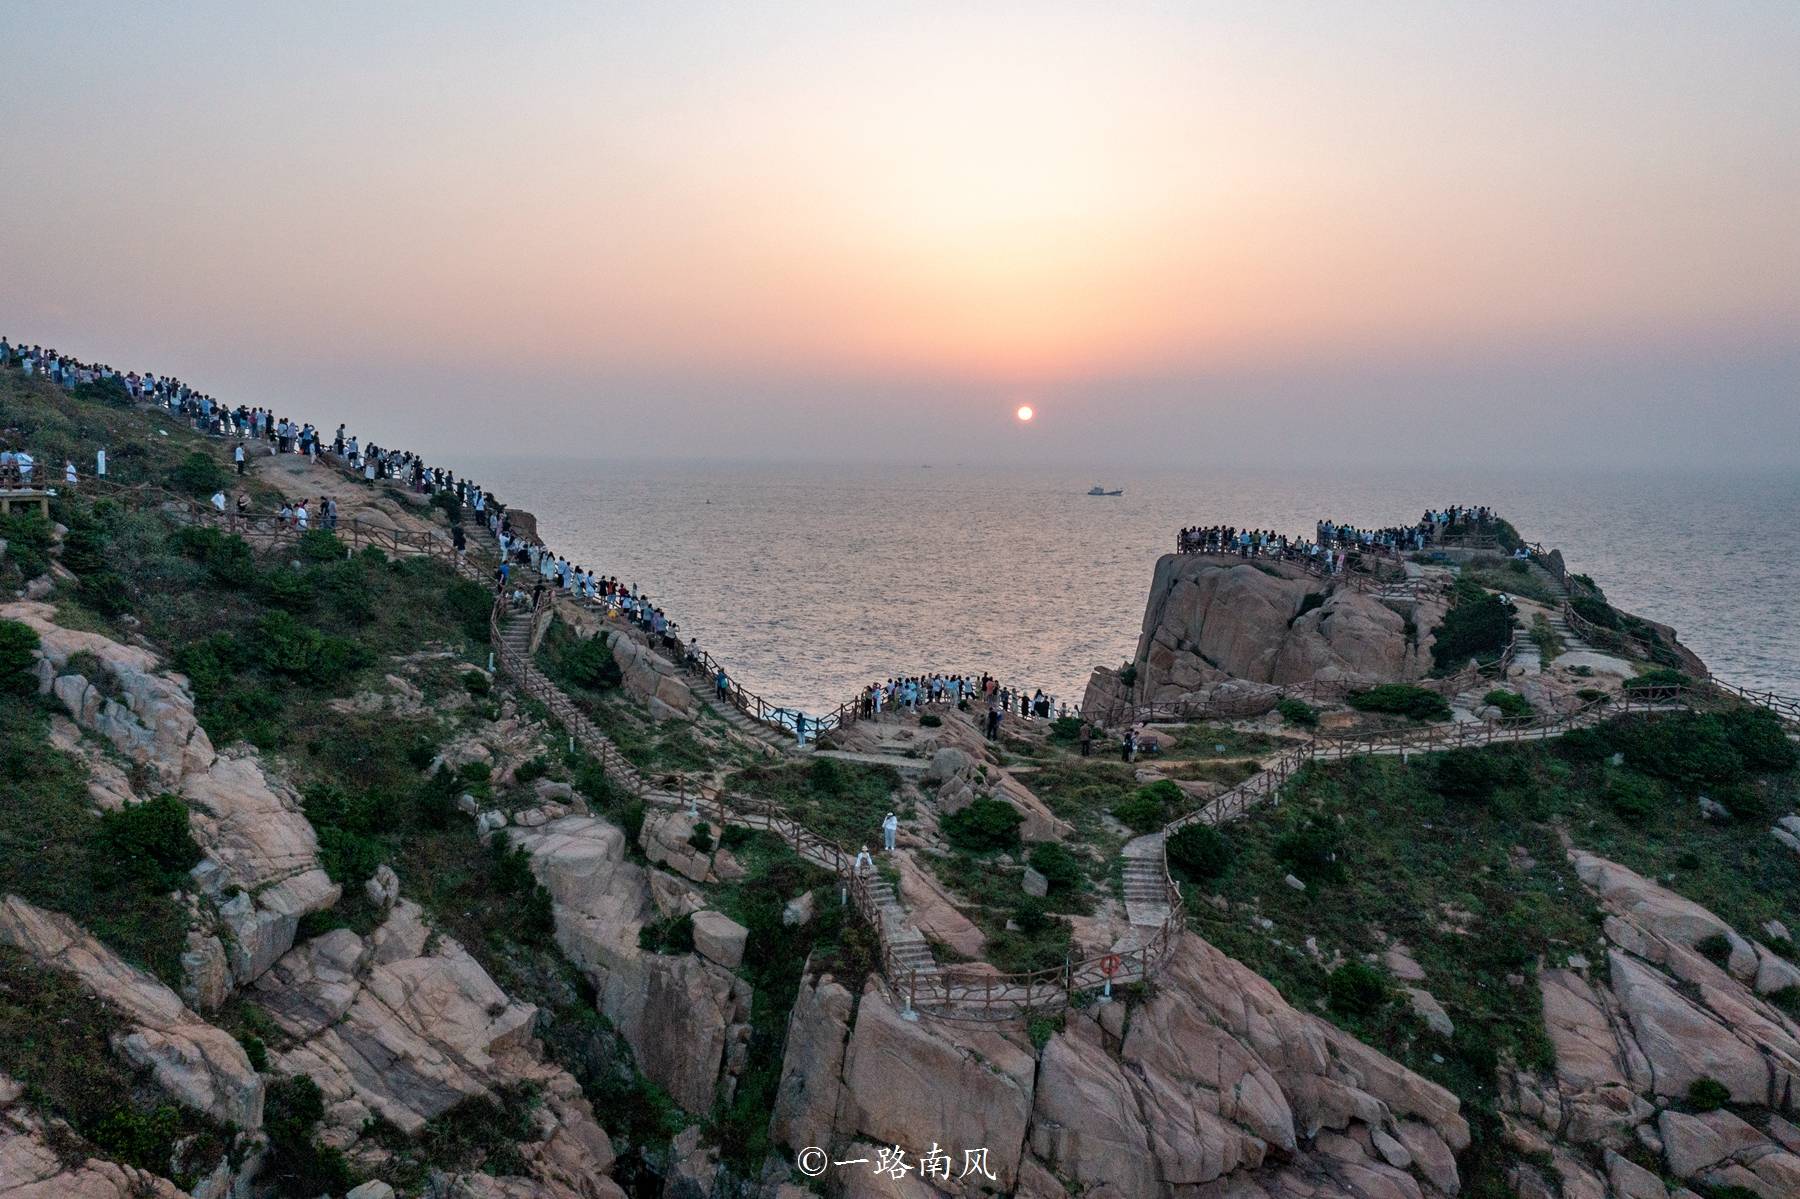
(298, 897)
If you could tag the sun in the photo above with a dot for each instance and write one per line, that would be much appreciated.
(1024, 413)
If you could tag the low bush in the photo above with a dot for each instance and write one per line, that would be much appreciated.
(1297, 712)
(1469, 774)
(1402, 699)
(1150, 806)
(1633, 796)
(1707, 1095)
(199, 474)
(319, 545)
(986, 824)
(1357, 989)
(149, 842)
(1199, 852)
(1478, 626)
(1715, 948)
(668, 934)
(476, 682)
(296, 1165)
(1514, 708)
(1311, 852)
(930, 720)
(590, 664)
(18, 642)
(1060, 868)
(1066, 729)
(28, 537)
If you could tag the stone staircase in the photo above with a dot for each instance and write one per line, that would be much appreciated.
(1146, 897)
(907, 946)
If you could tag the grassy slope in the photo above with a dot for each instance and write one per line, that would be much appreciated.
(1480, 889)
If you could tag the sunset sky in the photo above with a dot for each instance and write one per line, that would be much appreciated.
(1529, 232)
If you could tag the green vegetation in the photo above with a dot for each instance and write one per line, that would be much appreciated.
(28, 539)
(1707, 1095)
(845, 801)
(56, 1039)
(1037, 940)
(985, 825)
(1298, 713)
(580, 664)
(17, 657)
(1549, 645)
(1514, 708)
(1478, 625)
(54, 853)
(200, 474)
(1402, 699)
(297, 1166)
(1460, 856)
(1060, 868)
(1512, 576)
(1198, 853)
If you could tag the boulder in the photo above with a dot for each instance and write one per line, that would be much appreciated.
(1035, 884)
(933, 912)
(36, 1162)
(806, 1100)
(719, 938)
(199, 1066)
(911, 1083)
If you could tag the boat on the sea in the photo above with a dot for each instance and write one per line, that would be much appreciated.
(1096, 489)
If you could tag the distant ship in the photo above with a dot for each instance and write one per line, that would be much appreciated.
(1096, 489)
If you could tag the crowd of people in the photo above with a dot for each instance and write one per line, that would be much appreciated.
(910, 693)
(527, 569)
(1334, 540)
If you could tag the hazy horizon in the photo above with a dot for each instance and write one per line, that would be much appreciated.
(1390, 234)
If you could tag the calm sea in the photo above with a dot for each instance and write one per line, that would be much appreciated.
(810, 581)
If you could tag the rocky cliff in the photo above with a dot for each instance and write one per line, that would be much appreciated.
(1212, 619)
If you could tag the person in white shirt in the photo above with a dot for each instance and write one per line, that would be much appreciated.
(218, 500)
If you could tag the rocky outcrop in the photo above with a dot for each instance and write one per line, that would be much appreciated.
(1215, 1082)
(197, 1064)
(261, 873)
(36, 1161)
(404, 1024)
(649, 676)
(1660, 1017)
(685, 1018)
(1212, 619)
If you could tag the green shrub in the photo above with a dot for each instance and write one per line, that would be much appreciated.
(149, 842)
(1128, 674)
(668, 934)
(1151, 806)
(1199, 852)
(199, 474)
(1633, 796)
(145, 1139)
(319, 545)
(1760, 740)
(1685, 748)
(1311, 852)
(590, 664)
(1715, 948)
(1060, 868)
(1066, 729)
(702, 837)
(256, 1050)
(476, 683)
(930, 720)
(1308, 602)
(1356, 989)
(1514, 708)
(1708, 1094)
(28, 537)
(1402, 699)
(1479, 626)
(1655, 680)
(1470, 774)
(349, 857)
(1297, 712)
(986, 824)
(296, 1166)
(1595, 611)
(227, 558)
(18, 643)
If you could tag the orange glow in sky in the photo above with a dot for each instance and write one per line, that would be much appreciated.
(630, 203)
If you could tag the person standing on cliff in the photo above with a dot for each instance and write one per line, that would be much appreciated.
(1087, 739)
(890, 830)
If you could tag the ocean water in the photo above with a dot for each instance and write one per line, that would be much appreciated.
(810, 581)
